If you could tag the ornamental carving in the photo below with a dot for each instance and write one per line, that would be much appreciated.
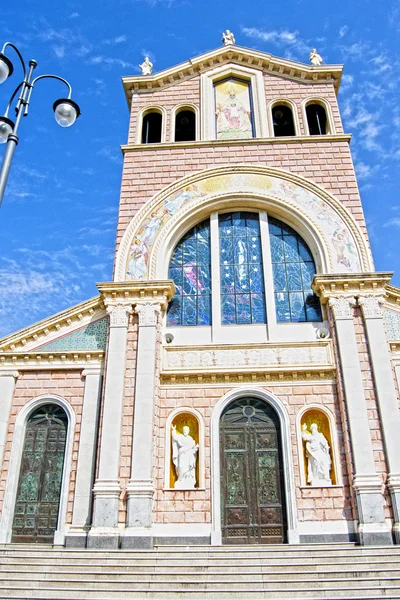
(119, 314)
(371, 306)
(342, 306)
(206, 358)
(148, 313)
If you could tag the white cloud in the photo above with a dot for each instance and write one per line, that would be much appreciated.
(395, 222)
(107, 61)
(343, 30)
(59, 51)
(289, 39)
(117, 40)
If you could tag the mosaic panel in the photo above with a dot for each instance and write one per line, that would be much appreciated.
(91, 337)
(392, 324)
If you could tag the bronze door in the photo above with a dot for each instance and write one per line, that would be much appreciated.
(252, 489)
(39, 486)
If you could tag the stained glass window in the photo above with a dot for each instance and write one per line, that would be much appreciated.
(233, 109)
(293, 269)
(190, 269)
(241, 269)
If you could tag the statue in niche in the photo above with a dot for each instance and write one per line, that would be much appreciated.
(228, 38)
(184, 457)
(318, 457)
(146, 66)
(315, 58)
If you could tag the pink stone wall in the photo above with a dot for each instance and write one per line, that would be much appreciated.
(30, 384)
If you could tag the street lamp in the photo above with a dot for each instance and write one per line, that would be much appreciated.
(66, 111)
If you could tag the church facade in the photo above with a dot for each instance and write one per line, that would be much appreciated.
(237, 380)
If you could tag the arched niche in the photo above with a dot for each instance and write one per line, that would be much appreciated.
(325, 422)
(325, 224)
(181, 417)
(15, 465)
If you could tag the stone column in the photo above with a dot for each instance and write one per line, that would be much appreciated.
(77, 535)
(105, 532)
(140, 489)
(371, 307)
(7, 385)
(372, 527)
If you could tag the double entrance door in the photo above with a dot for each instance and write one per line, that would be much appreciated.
(252, 487)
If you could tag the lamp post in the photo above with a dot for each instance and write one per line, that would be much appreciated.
(66, 111)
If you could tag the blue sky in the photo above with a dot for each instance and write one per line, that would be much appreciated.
(58, 219)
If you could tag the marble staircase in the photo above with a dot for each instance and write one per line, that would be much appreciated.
(201, 572)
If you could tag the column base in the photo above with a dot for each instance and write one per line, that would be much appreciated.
(393, 485)
(139, 504)
(106, 494)
(374, 534)
(137, 538)
(104, 538)
(76, 537)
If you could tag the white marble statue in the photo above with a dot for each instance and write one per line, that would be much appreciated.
(228, 38)
(146, 66)
(315, 58)
(318, 457)
(184, 457)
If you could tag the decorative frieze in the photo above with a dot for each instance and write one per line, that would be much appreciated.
(287, 375)
(50, 360)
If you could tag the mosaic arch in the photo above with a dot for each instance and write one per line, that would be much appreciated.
(337, 233)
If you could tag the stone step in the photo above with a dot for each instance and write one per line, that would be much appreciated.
(229, 593)
(204, 575)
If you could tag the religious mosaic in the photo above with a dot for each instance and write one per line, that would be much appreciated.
(91, 337)
(233, 110)
(337, 236)
(392, 324)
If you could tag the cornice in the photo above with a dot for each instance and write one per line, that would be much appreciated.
(302, 139)
(59, 324)
(50, 360)
(393, 296)
(288, 376)
(136, 292)
(350, 284)
(267, 63)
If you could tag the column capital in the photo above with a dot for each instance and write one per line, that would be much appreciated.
(92, 371)
(148, 313)
(371, 306)
(342, 306)
(119, 313)
(14, 374)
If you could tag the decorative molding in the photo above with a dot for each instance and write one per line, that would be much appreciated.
(240, 358)
(98, 372)
(351, 284)
(262, 376)
(393, 295)
(148, 313)
(119, 314)
(49, 360)
(14, 374)
(303, 139)
(371, 306)
(287, 69)
(342, 306)
(54, 327)
(130, 292)
(367, 484)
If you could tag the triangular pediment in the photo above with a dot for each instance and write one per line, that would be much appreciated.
(238, 55)
(79, 328)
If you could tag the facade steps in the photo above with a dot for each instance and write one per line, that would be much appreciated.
(201, 572)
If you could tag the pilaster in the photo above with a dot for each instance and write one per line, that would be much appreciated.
(140, 488)
(120, 298)
(340, 292)
(371, 307)
(7, 386)
(77, 534)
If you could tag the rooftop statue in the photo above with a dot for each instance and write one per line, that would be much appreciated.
(146, 66)
(315, 58)
(228, 38)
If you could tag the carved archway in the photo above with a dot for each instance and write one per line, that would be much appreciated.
(324, 222)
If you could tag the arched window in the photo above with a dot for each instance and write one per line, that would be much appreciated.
(293, 270)
(39, 486)
(185, 126)
(262, 271)
(316, 119)
(151, 128)
(190, 269)
(282, 118)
